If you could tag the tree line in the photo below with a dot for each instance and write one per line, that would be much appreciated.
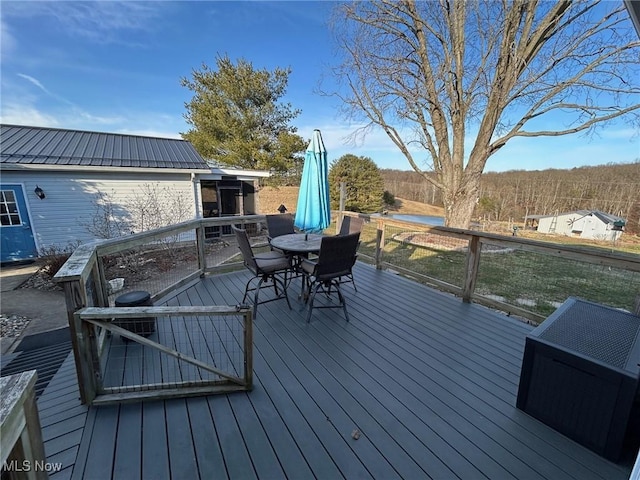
(504, 196)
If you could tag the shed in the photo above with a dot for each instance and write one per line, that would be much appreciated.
(591, 224)
(63, 187)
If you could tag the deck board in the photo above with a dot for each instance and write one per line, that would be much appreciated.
(182, 460)
(155, 459)
(62, 418)
(206, 444)
(271, 349)
(343, 382)
(127, 460)
(103, 435)
(237, 460)
(428, 381)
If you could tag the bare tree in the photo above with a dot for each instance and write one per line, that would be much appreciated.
(109, 220)
(153, 206)
(436, 73)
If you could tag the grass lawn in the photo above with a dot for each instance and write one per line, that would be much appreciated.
(534, 281)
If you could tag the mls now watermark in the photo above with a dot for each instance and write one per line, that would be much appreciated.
(31, 466)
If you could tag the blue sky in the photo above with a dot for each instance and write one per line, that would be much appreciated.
(116, 67)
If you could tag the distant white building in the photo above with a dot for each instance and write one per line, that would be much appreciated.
(590, 224)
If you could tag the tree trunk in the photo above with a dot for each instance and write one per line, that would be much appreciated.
(459, 209)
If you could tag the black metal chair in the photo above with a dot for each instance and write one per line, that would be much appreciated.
(281, 224)
(265, 266)
(278, 225)
(348, 226)
(351, 225)
(335, 260)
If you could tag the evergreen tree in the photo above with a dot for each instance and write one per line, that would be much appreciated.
(236, 118)
(364, 184)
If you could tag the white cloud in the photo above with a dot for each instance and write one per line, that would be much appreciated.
(25, 111)
(375, 144)
(96, 119)
(20, 114)
(76, 113)
(621, 133)
(149, 133)
(340, 136)
(101, 22)
(151, 124)
(567, 151)
(7, 40)
(34, 82)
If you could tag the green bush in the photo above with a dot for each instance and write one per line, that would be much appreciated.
(388, 198)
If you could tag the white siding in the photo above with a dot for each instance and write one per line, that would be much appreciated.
(561, 227)
(576, 224)
(569, 223)
(61, 219)
(544, 224)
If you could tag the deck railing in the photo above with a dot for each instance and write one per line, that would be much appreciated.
(521, 276)
(159, 262)
(524, 277)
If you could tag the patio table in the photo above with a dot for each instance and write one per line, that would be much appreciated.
(298, 243)
(580, 374)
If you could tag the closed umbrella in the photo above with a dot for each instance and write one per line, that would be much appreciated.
(313, 213)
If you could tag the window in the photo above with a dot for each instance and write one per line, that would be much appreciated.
(9, 214)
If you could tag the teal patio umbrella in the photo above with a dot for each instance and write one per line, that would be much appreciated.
(313, 213)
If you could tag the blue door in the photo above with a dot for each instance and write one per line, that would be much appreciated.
(17, 236)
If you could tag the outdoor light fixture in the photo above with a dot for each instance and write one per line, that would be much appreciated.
(39, 192)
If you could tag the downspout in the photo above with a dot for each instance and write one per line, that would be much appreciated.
(197, 194)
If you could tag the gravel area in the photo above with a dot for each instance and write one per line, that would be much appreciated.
(12, 325)
(41, 281)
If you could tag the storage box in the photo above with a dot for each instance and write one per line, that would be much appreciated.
(580, 374)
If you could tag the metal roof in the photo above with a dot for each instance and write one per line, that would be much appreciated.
(23, 145)
(604, 217)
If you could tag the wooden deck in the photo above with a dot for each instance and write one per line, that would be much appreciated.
(429, 382)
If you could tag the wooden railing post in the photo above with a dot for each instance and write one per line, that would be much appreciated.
(339, 220)
(471, 268)
(75, 299)
(20, 432)
(100, 281)
(343, 199)
(379, 243)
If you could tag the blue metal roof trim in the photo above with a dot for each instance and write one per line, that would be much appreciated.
(53, 146)
(608, 218)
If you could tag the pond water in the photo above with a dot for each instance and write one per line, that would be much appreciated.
(427, 219)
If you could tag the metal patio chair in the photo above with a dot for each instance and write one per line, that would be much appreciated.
(277, 225)
(281, 224)
(351, 225)
(268, 267)
(335, 260)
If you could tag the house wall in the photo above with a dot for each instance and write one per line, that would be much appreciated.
(65, 217)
